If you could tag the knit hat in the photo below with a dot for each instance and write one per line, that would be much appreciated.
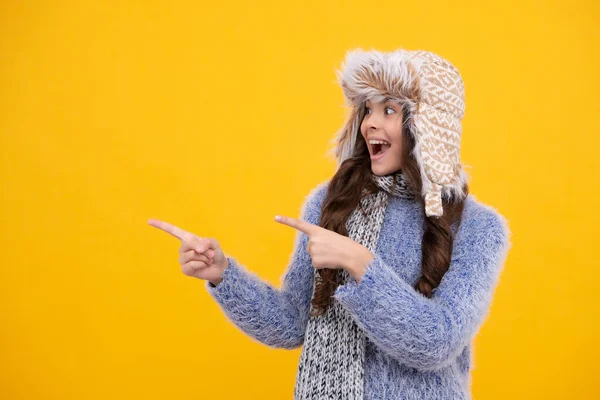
(433, 90)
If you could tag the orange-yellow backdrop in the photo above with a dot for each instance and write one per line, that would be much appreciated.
(216, 117)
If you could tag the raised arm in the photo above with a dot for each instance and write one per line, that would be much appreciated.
(275, 317)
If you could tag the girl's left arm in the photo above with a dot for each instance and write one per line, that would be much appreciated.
(428, 333)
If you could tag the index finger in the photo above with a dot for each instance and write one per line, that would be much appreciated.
(169, 228)
(296, 223)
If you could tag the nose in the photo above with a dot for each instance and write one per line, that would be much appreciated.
(372, 122)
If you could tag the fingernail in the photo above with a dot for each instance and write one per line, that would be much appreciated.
(277, 218)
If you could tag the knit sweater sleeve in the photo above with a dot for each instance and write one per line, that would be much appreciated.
(275, 317)
(428, 333)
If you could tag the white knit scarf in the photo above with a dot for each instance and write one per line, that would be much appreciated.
(332, 360)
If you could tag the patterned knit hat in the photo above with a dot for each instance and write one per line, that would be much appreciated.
(433, 91)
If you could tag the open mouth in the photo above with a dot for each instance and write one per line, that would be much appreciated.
(379, 150)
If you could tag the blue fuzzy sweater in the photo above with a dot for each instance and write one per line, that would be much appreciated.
(416, 347)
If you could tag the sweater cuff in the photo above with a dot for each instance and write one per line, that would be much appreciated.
(231, 275)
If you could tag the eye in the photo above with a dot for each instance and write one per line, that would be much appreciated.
(368, 110)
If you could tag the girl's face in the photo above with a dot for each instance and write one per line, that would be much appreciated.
(383, 122)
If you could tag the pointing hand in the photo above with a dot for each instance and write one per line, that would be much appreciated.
(327, 249)
(199, 257)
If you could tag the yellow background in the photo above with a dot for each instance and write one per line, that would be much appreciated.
(216, 117)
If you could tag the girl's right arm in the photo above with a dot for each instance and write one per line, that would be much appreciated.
(275, 317)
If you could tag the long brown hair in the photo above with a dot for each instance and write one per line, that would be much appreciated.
(352, 181)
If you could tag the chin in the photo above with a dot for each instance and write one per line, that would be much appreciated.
(382, 170)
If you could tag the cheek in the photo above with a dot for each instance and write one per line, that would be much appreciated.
(397, 133)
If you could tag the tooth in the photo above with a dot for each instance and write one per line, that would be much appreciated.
(378, 141)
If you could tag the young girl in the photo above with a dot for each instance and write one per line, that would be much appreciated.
(395, 263)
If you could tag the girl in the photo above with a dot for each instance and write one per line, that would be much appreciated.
(395, 264)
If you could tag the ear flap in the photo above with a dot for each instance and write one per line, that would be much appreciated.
(438, 130)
